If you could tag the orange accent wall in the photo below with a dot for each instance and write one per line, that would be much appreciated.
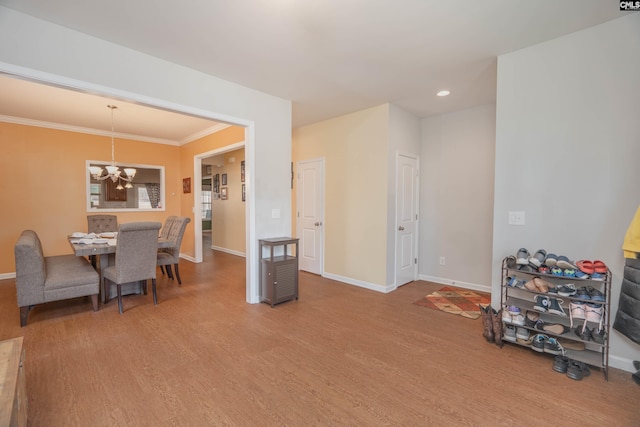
(43, 182)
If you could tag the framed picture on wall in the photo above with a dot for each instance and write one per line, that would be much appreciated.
(223, 193)
(186, 185)
(224, 179)
(243, 193)
(216, 183)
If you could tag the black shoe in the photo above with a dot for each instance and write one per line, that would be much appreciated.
(636, 364)
(577, 370)
(560, 364)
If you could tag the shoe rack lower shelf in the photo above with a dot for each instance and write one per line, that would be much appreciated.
(590, 357)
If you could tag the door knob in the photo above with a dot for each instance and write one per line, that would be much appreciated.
(401, 228)
(317, 224)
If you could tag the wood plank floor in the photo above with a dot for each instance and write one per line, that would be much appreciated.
(340, 356)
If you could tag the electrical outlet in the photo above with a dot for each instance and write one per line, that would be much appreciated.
(443, 261)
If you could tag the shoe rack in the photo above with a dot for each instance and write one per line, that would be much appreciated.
(514, 294)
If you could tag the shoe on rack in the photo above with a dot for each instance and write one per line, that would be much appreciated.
(581, 275)
(518, 319)
(527, 269)
(600, 267)
(551, 260)
(513, 310)
(537, 344)
(552, 346)
(544, 269)
(541, 303)
(564, 263)
(506, 316)
(560, 364)
(571, 344)
(522, 333)
(584, 333)
(531, 285)
(556, 271)
(524, 342)
(510, 261)
(509, 333)
(555, 328)
(538, 258)
(598, 336)
(597, 276)
(594, 313)
(569, 272)
(577, 370)
(542, 285)
(636, 364)
(522, 256)
(595, 294)
(576, 311)
(567, 290)
(585, 266)
(555, 307)
(531, 318)
(582, 293)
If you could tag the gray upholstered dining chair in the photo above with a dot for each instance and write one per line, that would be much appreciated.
(102, 223)
(171, 255)
(136, 255)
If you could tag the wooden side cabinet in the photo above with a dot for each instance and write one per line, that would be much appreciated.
(278, 270)
(13, 385)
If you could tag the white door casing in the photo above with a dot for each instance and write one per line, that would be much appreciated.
(310, 214)
(406, 219)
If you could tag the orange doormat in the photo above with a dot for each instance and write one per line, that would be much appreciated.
(456, 301)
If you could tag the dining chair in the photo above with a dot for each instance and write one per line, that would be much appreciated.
(100, 224)
(171, 255)
(136, 255)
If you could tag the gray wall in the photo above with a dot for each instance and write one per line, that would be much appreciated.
(456, 197)
(568, 151)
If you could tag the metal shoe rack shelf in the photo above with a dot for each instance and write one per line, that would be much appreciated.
(594, 354)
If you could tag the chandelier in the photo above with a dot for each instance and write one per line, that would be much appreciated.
(113, 172)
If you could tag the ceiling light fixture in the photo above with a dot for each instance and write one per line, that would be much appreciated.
(113, 171)
(443, 93)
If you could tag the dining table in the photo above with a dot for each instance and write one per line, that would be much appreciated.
(95, 245)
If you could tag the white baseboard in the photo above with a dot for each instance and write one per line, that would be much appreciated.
(360, 283)
(459, 284)
(188, 258)
(229, 251)
(4, 276)
(621, 363)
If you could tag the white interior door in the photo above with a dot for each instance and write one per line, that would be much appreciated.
(310, 214)
(407, 219)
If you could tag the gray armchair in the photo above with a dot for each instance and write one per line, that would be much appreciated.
(170, 256)
(136, 254)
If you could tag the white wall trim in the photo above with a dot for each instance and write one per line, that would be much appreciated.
(450, 282)
(229, 251)
(360, 283)
(621, 363)
(4, 276)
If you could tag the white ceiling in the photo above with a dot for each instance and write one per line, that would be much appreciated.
(330, 57)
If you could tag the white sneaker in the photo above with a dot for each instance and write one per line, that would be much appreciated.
(506, 316)
(518, 319)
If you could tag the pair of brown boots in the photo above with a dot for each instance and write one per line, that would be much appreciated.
(492, 324)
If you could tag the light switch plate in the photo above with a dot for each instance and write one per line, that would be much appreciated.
(516, 218)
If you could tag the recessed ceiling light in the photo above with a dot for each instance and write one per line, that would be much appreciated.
(443, 93)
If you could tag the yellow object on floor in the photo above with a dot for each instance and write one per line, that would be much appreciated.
(631, 244)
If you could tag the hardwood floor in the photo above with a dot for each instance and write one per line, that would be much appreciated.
(341, 355)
